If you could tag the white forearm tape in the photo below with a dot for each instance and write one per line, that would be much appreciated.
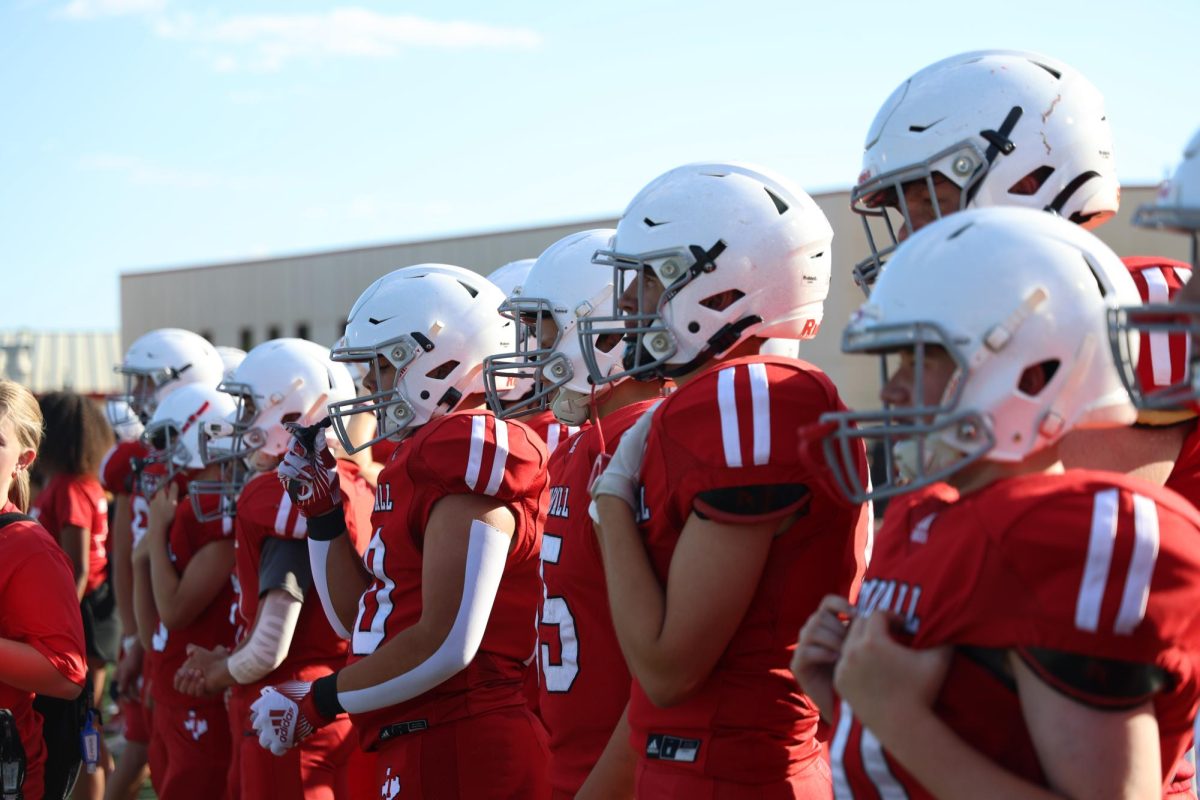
(269, 641)
(487, 550)
(318, 553)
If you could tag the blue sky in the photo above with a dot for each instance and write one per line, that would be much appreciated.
(152, 133)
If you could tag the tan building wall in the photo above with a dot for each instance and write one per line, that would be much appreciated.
(306, 295)
(310, 295)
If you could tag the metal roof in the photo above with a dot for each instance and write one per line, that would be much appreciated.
(47, 361)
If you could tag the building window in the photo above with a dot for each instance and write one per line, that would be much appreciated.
(301, 330)
(273, 332)
(207, 336)
(342, 327)
(246, 339)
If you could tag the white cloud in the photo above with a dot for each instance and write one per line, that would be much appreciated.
(269, 41)
(141, 172)
(92, 9)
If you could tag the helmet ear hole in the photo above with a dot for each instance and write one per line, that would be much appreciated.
(442, 371)
(722, 300)
(1037, 377)
(1033, 182)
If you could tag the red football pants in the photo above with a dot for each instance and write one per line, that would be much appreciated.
(190, 751)
(503, 754)
(663, 780)
(137, 726)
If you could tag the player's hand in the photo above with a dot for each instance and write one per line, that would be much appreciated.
(205, 672)
(285, 715)
(309, 472)
(129, 669)
(620, 475)
(885, 682)
(819, 648)
(162, 508)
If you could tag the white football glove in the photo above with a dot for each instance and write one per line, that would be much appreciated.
(620, 474)
(279, 718)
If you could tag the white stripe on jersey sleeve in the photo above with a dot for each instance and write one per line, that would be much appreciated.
(1160, 342)
(501, 459)
(1099, 559)
(760, 413)
(727, 404)
(475, 458)
(1141, 566)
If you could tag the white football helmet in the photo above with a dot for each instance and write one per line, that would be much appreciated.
(739, 251)
(280, 380)
(125, 424)
(230, 358)
(564, 286)
(508, 278)
(1178, 205)
(173, 434)
(434, 324)
(511, 275)
(1001, 290)
(159, 362)
(1006, 127)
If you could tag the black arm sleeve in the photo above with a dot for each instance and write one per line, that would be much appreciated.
(284, 565)
(1100, 683)
(751, 503)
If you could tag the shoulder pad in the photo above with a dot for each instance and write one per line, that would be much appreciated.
(476, 453)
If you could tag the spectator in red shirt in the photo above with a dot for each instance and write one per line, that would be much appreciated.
(41, 636)
(74, 510)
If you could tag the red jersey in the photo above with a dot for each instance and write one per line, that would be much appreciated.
(550, 430)
(213, 626)
(38, 608)
(78, 500)
(265, 511)
(737, 425)
(1092, 563)
(382, 450)
(116, 470)
(1185, 475)
(580, 701)
(467, 452)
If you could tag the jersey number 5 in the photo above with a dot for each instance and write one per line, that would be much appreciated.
(557, 622)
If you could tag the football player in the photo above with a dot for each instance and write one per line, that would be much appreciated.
(155, 365)
(979, 129)
(287, 636)
(41, 636)
(117, 476)
(1025, 631)
(190, 562)
(583, 701)
(441, 612)
(509, 279)
(716, 540)
(1178, 210)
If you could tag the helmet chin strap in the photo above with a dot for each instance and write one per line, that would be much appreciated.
(718, 343)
